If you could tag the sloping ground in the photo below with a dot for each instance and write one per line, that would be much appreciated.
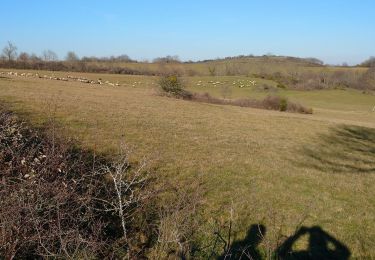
(265, 165)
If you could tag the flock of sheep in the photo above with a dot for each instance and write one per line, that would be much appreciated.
(68, 78)
(239, 83)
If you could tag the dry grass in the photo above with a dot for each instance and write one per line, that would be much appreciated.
(248, 159)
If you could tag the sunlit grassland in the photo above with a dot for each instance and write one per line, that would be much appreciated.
(261, 163)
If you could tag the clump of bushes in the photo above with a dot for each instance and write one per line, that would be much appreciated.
(275, 103)
(173, 85)
(283, 80)
(284, 105)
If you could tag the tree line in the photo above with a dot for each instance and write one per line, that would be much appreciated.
(10, 54)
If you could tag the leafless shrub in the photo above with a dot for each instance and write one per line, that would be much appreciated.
(129, 184)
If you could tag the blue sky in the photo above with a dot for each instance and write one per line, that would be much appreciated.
(332, 30)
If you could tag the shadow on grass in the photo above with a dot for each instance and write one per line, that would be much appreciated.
(248, 247)
(321, 245)
(347, 149)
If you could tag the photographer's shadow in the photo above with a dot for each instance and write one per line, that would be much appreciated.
(248, 247)
(321, 245)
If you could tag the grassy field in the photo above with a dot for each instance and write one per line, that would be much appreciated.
(271, 167)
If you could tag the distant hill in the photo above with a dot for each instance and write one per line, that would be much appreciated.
(269, 58)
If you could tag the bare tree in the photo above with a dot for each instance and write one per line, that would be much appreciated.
(71, 56)
(24, 57)
(35, 58)
(10, 51)
(49, 55)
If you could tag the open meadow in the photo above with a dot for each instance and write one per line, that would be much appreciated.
(254, 166)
